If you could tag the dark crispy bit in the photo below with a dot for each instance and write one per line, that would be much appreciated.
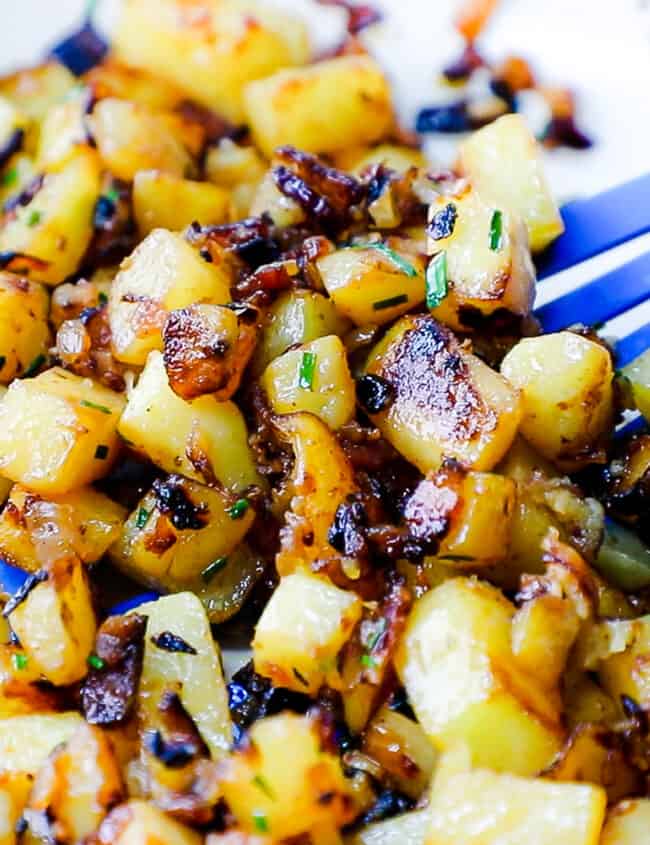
(347, 532)
(447, 119)
(464, 66)
(177, 742)
(429, 510)
(252, 240)
(389, 803)
(215, 127)
(83, 345)
(109, 693)
(374, 393)
(115, 230)
(13, 143)
(443, 222)
(167, 641)
(25, 196)
(174, 502)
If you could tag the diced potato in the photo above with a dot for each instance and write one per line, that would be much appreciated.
(62, 130)
(71, 298)
(77, 786)
(627, 823)
(168, 202)
(14, 790)
(56, 226)
(638, 373)
(45, 732)
(301, 631)
(489, 267)
(162, 549)
(409, 829)
(323, 108)
(163, 273)
(36, 89)
(314, 378)
(566, 385)
(130, 137)
(19, 171)
(34, 528)
(369, 286)
(446, 401)
(279, 781)
(481, 807)
(228, 164)
(141, 823)
(393, 156)
(520, 186)
(269, 199)
(198, 677)
(296, 317)
(58, 431)
(113, 79)
(193, 443)
(626, 671)
(464, 682)
(211, 56)
(24, 332)
(322, 478)
(56, 623)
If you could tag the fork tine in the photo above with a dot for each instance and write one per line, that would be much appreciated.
(600, 300)
(630, 347)
(597, 224)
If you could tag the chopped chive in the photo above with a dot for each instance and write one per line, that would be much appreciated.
(307, 371)
(35, 366)
(112, 195)
(405, 266)
(3, 361)
(400, 299)
(213, 568)
(368, 661)
(96, 662)
(377, 634)
(101, 452)
(141, 518)
(20, 661)
(260, 822)
(496, 231)
(87, 404)
(239, 509)
(34, 217)
(436, 280)
(261, 783)
(9, 177)
(102, 298)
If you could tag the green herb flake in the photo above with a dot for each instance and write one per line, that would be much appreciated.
(141, 518)
(112, 195)
(378, 632)
(87, 404)
(34, 217)
(401, 263)
(436, 280)
(20, 661)
(102, 298)
(307, 371)
(260, 822)
(262, 784)
(96, 662)
(496, 231)
(400, 299)
(9, 177)
(238, 510)
(213, 568)
(101, 452)
(35, 366)
(368, 662)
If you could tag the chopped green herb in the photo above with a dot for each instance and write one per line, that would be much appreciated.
(211, 570)
(9, 177)
(141, 518)
(20, 661)
(87, 404)
(261, 783)
(405, 266)
(3, 361)
(102, 298)
(96, 662)
(390, 303)
(377, 633)
(35, 366)
(300, 677)
(368, 661)
(34, 217)
(436, 280)
(260, 822)
(458, 558)
(239, 509)
(307, 370)
(496, 231)
(101, 452)
(113, 195)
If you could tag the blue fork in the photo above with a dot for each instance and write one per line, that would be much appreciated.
(593, 226)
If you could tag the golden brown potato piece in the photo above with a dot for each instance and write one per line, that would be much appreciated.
(24, 333)
(164, 201)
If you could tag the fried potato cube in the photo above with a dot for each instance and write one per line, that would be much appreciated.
(301, 631)
(24, 331)
(56, 623)
(446, 402)
(211, 56)
(187, 437)
(197, 675)
(627, 823)
(36, 89)
(62, 130)
(323, 108)
(163, 273)
(14, 791)
(638, 373)
(314, 378)
(43, 732)
(520, 186)
(55, 227)
(58, 431)
(163, 201)
(394, 156)
(626, 670)
(84, 521)
(464, 682)
(141, 823)
(373, 286)
(408, 829)
(489, 267)
(567, 396)
(278, 782)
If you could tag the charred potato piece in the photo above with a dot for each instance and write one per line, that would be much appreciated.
(442, 400)
(24, 332)
(164, 201)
